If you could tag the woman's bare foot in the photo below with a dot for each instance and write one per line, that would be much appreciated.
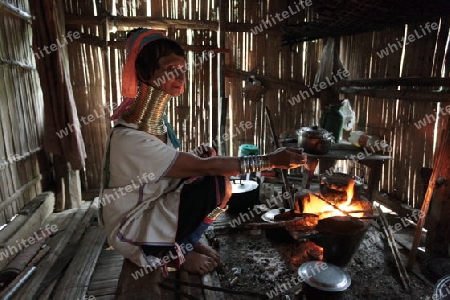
(208, 251)
(197, 263)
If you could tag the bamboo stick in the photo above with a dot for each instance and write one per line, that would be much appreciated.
(15, 11)
(401, 81)
(274, 82)
(124, 23)
(396, 254)
(405, 95)
(18, 193)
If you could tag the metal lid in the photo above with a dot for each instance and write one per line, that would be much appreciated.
(442, 289)
(314, 132)
(324, 276)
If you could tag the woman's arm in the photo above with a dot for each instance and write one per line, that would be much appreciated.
(187, 164)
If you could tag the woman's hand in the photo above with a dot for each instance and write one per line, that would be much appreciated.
(287, 158)
(204, 151)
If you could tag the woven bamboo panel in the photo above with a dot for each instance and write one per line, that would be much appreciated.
(195, 115)
(22, 162)
(391, 119)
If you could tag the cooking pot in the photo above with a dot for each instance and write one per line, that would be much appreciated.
(314, 140)
(245, 194)
(337, 182)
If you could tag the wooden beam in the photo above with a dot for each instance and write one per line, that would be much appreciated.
(17, 63)
(92, 40)
(125, 23)
(405, 95)
(247, 27)
(15, 11)
(4, 204)
(194, 48)
(405, 81)
(274, 82)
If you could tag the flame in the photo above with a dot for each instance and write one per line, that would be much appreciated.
(350, 193)
(314, 205)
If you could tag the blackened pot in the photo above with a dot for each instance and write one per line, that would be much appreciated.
(340, 238)
(245, 196)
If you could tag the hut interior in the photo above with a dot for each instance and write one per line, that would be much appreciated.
(260, 74)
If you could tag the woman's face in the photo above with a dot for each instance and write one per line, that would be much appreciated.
(170, 75)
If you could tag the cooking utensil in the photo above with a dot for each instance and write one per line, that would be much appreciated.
(314, 140)
(324, 276)
(283, 172)
(245, 194)
(338, 181)
(323, 280)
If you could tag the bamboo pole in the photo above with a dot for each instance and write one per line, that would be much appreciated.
(194, 48)
(401, 81)
(445, 142)
(405, 95)
(125, 23)
(15, 11)
(395, 253)
(275, 83)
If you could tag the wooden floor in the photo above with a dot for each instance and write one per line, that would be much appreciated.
(79, 264)
(104, 280)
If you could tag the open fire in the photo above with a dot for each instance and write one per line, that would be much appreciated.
(341, 222)
(326, 206)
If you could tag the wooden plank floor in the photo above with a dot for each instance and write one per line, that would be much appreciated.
(104, 280)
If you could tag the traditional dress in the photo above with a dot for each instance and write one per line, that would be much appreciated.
(145, 213)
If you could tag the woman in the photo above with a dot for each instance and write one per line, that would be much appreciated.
(157, 201)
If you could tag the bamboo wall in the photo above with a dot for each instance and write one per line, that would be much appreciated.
(24, 168)
(391, 119)
(195, 115)
(96, 76)
(90, 84)
(264, 54)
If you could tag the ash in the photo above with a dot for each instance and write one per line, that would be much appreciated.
(259, 264)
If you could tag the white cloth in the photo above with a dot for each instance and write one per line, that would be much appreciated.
(139, 205)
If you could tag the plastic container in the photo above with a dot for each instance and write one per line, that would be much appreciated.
(348, 114)
(248, 149)
(333, 121)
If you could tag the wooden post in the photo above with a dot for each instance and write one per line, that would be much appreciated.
(438, 224)
(441, 166)
(223, 10)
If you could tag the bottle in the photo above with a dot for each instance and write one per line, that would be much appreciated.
(333, 121)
